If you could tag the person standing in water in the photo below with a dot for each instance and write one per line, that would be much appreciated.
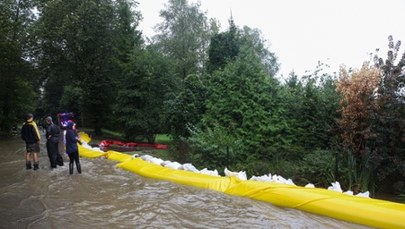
(52, 143)
(31, 136)
(71, 147)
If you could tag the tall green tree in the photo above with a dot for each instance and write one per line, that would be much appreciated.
(17, 76)
(127, 43)
(182, 36)
(127, 39)
(77, 41)
(184, 108)
(86, 47)
(89, 31)
(224, 47)
(56, 70)
(253, 38)
(311, 105)
(139, 105)
(243, 104)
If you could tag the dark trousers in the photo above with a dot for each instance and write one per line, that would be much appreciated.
(53, 153)
(74, 157)
(59, 158)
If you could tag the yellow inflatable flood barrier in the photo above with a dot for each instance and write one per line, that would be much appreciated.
(150, 170)
(116, 156)
(84, 137)
(360, 210)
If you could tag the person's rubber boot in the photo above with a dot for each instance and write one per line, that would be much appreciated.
(70, 168)
(59, 160)
(36, 165)
(28, 165)
(79, 168)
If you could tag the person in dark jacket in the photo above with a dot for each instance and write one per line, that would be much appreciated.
(31, 136)
(71, 147)
(52, 142)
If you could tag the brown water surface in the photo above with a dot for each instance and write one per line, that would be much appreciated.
(104, 196)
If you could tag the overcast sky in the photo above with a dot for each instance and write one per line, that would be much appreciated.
(303, 32)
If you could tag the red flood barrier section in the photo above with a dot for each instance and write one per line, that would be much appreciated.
(105, 144)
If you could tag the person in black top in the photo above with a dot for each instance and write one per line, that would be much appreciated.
(30, 134)
(52, 143)
(72, 149)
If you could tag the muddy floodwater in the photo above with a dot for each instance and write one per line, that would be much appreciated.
(104, 196)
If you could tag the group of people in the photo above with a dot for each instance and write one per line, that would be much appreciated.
(30, 134)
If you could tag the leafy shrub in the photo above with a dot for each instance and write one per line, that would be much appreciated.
(317, 167)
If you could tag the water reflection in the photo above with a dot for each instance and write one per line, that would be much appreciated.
(104, 196)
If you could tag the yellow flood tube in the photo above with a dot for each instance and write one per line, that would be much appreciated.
(150, 170)
(360, 210)
(117, 156)
(84, 152)
(84, 137)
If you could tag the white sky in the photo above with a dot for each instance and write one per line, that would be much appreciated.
(303, 32)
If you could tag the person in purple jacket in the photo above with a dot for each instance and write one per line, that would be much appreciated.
(71, 146)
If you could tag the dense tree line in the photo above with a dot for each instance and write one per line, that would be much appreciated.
(215, 92)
